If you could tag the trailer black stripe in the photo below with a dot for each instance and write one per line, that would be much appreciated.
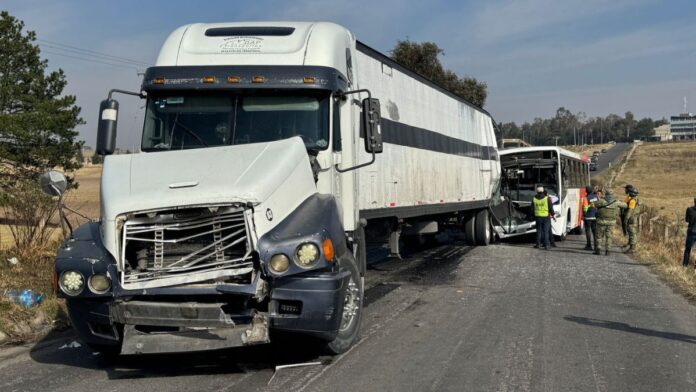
(394, 132)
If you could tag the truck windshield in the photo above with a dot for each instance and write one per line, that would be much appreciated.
(185, 121)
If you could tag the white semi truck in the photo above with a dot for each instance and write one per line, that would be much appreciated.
(268, 151)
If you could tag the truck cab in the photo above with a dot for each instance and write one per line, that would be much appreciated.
(231, 221)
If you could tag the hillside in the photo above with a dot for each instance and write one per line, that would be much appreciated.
(664, 176)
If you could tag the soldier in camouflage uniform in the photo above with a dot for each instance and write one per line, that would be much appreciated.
(630, 217)
(608, 210)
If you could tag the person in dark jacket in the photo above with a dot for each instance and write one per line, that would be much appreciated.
(543, 210)
(690, 233)
(589, 211)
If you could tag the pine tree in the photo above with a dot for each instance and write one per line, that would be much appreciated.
(422, 58)
(37, 122)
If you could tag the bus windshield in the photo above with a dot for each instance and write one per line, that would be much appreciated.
(192, 120)
(522, 175)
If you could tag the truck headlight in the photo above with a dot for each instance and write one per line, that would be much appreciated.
(279, 263)
(99, 283)
(307, 255)
(71, 282)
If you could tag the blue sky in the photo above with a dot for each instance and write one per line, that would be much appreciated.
(595, 56)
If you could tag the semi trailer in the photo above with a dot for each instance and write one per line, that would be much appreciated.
(268, 151)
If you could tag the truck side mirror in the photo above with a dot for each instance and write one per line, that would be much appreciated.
(106, 131)
(53, 183)
(371, 118)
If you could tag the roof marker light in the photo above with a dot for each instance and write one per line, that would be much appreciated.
(258, 79)
(233, 79)
(309, 79)
(158, 81)
(209, 79)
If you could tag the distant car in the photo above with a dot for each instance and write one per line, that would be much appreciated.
(604, 150)
(594, 159)
(612, 142)
(593, 166)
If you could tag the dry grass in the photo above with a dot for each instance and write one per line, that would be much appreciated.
(34, 271)
(664, 176)
(84, 199)
(35, 268)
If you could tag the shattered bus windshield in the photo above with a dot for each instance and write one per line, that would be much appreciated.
(185, 121)
(522, 174)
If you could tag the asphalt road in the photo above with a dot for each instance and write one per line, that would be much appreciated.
(451, 318)
(611, 155)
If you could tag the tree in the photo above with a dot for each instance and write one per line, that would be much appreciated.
(422, 58)
(36, 122)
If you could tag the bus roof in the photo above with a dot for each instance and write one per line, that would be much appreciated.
(520, 150)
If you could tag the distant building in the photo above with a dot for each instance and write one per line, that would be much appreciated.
(663, 133)
(683, 126)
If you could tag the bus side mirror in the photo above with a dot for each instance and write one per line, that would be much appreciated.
(371, 118)
(106, 131)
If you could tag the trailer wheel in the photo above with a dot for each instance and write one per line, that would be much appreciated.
(470, 228)
(483, 228)
(352, 312)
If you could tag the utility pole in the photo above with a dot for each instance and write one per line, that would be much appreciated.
(575, 137)
(556, 137)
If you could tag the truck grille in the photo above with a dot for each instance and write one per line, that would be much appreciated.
(168, 248)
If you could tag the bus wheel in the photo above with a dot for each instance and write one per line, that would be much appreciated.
(469, 226)
(483, 228)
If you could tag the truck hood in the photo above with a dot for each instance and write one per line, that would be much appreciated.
(248, 173)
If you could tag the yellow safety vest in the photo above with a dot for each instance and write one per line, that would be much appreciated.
(541, 207)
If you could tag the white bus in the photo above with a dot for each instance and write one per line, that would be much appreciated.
(562, 173)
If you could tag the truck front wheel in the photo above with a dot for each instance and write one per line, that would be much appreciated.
(352, 312)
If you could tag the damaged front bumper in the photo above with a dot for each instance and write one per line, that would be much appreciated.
(164, 327)
(169, 320)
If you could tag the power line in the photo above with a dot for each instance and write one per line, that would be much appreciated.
(93, 52)
(104, 58)
(92, 60)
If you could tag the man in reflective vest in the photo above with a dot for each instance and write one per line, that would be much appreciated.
(543, 210)
(630, 218)
(608, 209)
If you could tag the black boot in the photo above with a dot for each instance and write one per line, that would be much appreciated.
(597, 252)
(630, 249)
(606, 252)
(588, 247)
